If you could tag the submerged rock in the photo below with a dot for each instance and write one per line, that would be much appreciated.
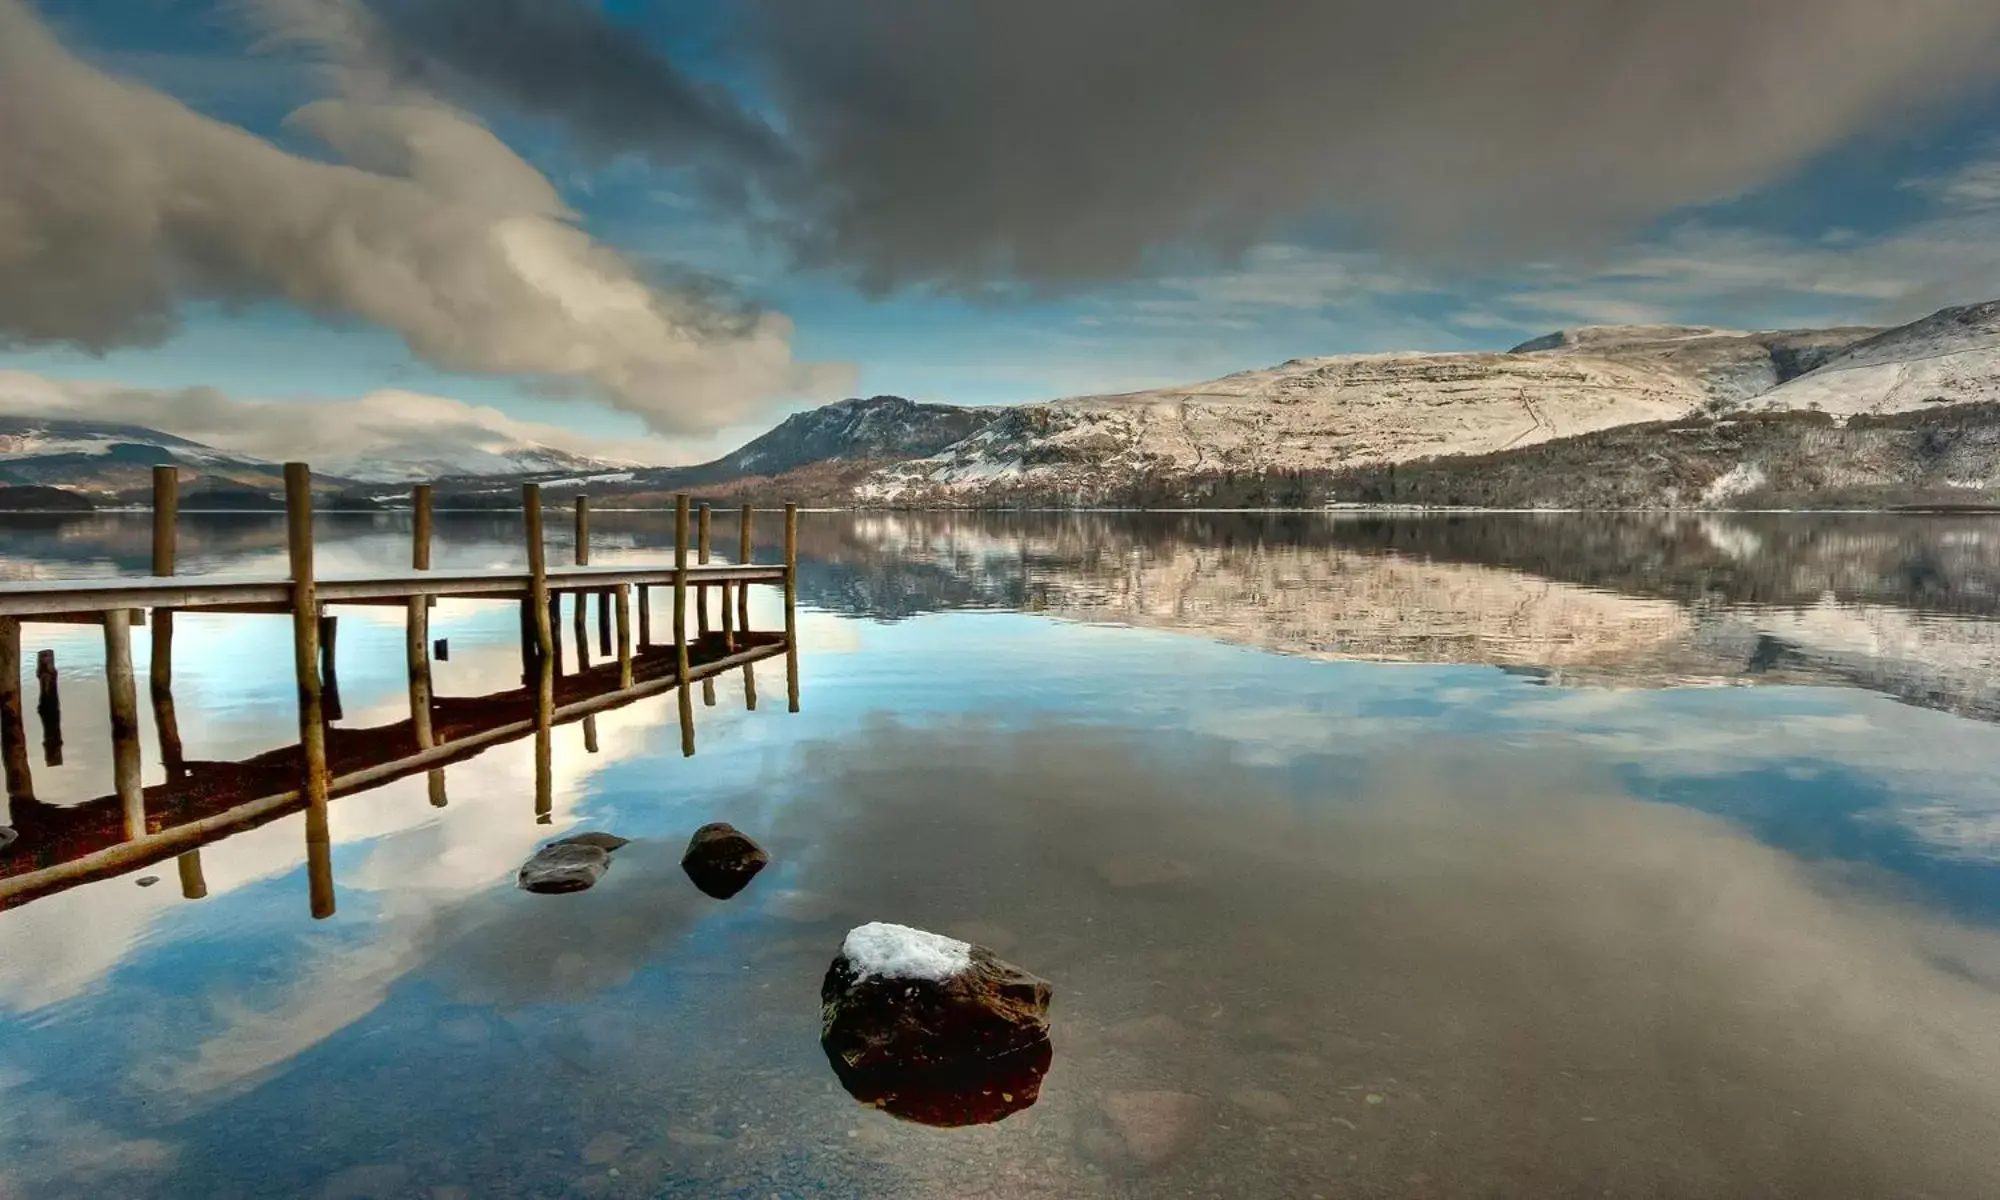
(148, 880)
(722, 860)
(607, 842)
(559, 868)
(8, 836)
(1156, 1126)
(932, 1029)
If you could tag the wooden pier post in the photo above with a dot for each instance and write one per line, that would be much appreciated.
(552, 609)
(160, 670)
(194, 884)
(13, 728)
(545, 679)
(604, 643)
(416, 620)
(681, 670)
(701, 556)
(123, 691)
(48, 706)
(417, 638)
(624, 635)
(792, 605)
(645, 600)
(701, 599)
(329, 670)
(590, 734)
(305, 668)
(744, 553)
(581, 556)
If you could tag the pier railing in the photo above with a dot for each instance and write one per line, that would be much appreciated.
(432, 736)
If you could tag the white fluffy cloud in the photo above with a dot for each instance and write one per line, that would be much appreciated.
(117, 203)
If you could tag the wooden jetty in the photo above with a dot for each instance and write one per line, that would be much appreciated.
(134, 827)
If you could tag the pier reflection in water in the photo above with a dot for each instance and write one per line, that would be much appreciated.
(1494, 856)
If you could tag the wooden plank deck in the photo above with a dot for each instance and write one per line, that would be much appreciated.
(61, 848)
(29, 599)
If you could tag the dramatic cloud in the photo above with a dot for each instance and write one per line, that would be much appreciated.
(383, 435)
(1063, 140)
(117, 203)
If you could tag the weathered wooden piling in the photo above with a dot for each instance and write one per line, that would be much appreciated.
(160, 668)
(123, 692)
(305, 669)
(416, 620)
(13, 728)
(645, 601)
(744, 553)
(792, 606)
(582, 558)
(685, 701)
(417, 637)
(545, 680)
(701, 557)
(604, 643)
(48, 707)
(590, 734)
(624, 594)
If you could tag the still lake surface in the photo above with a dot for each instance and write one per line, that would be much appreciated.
(1499, 855)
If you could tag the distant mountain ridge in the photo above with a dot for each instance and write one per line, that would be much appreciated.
(1652, 415)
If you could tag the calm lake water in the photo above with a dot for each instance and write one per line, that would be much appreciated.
(1498, 856)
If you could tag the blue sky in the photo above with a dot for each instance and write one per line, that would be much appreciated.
(1886, 218)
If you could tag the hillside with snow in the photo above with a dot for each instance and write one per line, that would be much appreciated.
(1318, 422)
(1308, 414)
(1950, 357)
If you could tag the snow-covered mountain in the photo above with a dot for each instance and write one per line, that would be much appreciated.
(471, 460)
(108, 457)
(1949, 357)
(1328, 415)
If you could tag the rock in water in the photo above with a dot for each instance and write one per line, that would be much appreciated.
(1156, 1126)
(722, 860)
(607, 842)
(932, 1029)
(564, 868)
(8, 835)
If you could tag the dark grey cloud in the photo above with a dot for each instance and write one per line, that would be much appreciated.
(570, 60)
(1061, 141)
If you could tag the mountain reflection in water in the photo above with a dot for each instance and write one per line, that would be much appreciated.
(1330, 904)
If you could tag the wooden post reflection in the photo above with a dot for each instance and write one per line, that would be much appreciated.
(624, 636)
(604, 624)
(329, 668)
(13, 728)
(194, 884)
(744, 553)
(416, 637)
(123, 691)
(681, 672)
(160, 670)
(552, 614)
(305, 667)
(645, 599)
(580, 620)
(48, 706)
(545, 681)
(792, 605)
